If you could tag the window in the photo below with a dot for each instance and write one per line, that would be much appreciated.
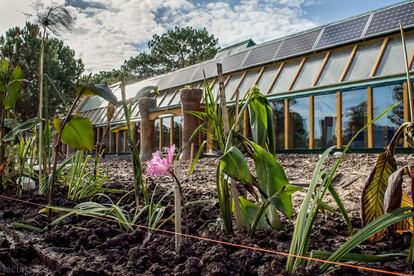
(299, 123)
(157, 127)
(165, 102)
(232, 85)
(178, 124)
(267, 78)
(364, 60)
(166, 131)
(309, 71)
(286, 77)
(279, 124)
(354, 117)
(385, 127)
(325, 120)
(393, 60)
(334, 67)
(247, 83)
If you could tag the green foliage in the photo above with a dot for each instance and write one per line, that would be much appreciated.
(78, 133)
(234, 165)
(21, 46)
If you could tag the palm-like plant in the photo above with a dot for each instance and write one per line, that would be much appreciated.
(53, 18)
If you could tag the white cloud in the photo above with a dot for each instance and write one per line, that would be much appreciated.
(108, 31)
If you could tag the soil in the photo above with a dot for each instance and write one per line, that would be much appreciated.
(85, 246)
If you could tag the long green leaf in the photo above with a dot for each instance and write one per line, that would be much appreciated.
(234, 165)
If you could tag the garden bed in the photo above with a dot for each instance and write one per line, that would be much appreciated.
(85, 246)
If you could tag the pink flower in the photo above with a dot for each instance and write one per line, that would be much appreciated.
(159, 166)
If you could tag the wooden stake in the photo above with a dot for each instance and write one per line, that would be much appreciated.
(177, 207)
(407, 73)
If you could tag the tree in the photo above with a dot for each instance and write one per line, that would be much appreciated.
(21, 46)
(170, 51)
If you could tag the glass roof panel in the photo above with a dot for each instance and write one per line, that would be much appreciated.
(247, 83)
(364, 60)
(232, 85)
(267, 78)
(335, 66)
(286, 77)
(309, 71)
(393, 60)
(167, 99)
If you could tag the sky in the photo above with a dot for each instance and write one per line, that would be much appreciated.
(108, 32)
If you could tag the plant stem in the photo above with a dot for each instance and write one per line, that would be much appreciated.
(183, 199)
(40, 114)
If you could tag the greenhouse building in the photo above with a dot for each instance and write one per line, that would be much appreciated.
(324, 85)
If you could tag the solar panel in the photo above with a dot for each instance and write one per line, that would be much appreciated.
(343, 31)
(233, 62)
(390, 19)
(210, 69)
(262, 54)
(298, 44)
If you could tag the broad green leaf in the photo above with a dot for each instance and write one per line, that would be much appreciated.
(224, 200)
(249, 212)
(100, 90)
(260, 115)
(26, 126)
(235, 166)
(378, 225)
(372, 206)
(4, 67)
(272, 178)
(78, 133)
(14, 88)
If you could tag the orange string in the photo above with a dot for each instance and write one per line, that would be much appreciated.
(213, 240)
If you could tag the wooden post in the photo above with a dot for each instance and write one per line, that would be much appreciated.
(338, 120)
(124, 141)
(172, 132)
(370, 116)
(223, 102)
(311, 122)
(161, 135)
(287, 122)
(117, 142)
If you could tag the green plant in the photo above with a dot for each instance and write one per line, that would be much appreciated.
(74, 130)
(313, 202)
(11, 83)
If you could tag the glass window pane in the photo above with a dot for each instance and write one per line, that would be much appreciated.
(354, 117)
(165, 102)
(177, 98)
(166, 130)
(286, 77)
(178, 124)
(299, 123)
(364, 60)
(232, 85)
(385, 127)
(279, 124)
(334, 67)
(325, 120)
(309, 71)
(157, 125)
(267, 78)
(393, 60)
(247, 83)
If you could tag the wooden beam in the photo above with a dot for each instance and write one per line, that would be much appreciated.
(124, 141)
(311, 122)
(406, 100)
(302, 62)
(161, 134)
(338, 120)
(379, 57)
(348, 64)
(323, 65)
(172, 132)
(238, 85)
(174, 111)
(287, 122)
(411, 61)
(117, 142)
(259, 76)
(369, 118)
(281, 67)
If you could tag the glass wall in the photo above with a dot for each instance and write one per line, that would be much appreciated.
(279, 123)
(286, 77)
(385, 127)
(363, 61)
(299, 123)
(267, 78)
(247, 83)
(231, 86)
(354, 117)
(157, 135)
(166, 131)
(309, 71)
(325, 120)
(335, 66)
(178, 124)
